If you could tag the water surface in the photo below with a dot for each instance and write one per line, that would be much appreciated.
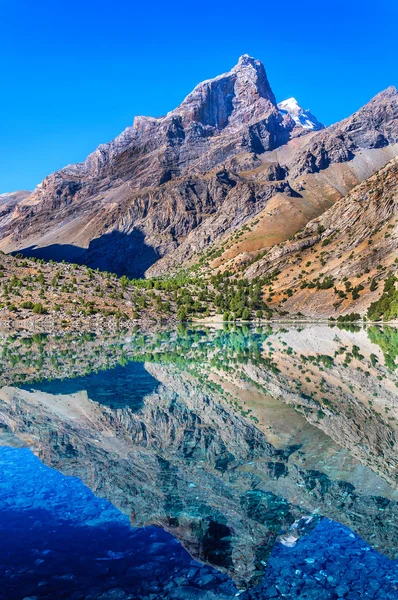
(200, 463)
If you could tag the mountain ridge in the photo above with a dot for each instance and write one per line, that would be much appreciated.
(169, 189)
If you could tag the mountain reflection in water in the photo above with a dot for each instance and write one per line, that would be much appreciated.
(269, 453)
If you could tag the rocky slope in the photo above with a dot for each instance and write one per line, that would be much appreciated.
(338, 263)
(39, 296)
(8, 203)
(321, 168)
(373, 126)
(167, 188)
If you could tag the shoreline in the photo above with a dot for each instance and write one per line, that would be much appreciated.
(310, 320)
(111, 325)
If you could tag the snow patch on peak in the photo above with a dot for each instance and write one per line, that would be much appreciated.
(289, 104)
(302, 117)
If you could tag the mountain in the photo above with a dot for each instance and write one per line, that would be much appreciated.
(321, 168)
(169, 188)
(303, 118)
(158, 180)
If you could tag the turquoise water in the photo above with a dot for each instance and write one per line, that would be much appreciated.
(200, 463)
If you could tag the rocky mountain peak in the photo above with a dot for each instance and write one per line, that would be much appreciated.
(251, 72)
(389, 92)
(245, 59)
(236, 97)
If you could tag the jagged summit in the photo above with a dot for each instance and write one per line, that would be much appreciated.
(245, 59)
(302, 117)
(253, 72)
(389, 92)
(241, 95)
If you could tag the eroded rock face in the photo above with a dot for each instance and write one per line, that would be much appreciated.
(241, 96)
(8, 202)
(159, 180)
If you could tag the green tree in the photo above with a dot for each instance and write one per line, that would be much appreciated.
(246, 314)
(124, 282)
(27, 304)
(373, 285)
(182, 313)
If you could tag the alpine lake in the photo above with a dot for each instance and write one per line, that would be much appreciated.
(200, 462)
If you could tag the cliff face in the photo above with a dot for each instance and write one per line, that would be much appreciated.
(232, 466)
(171, 186)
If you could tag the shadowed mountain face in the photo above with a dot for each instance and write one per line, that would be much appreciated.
(240, 437)
(167, 188)
(116, 252)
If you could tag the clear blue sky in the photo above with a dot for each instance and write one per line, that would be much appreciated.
(74, 74)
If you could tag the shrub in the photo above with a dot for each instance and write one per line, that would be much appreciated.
(326, 284)
(182, 313)
(39, 309)
(245, 314)
(27, 304)
(373, 285)
(387, 305)
(349, 318)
